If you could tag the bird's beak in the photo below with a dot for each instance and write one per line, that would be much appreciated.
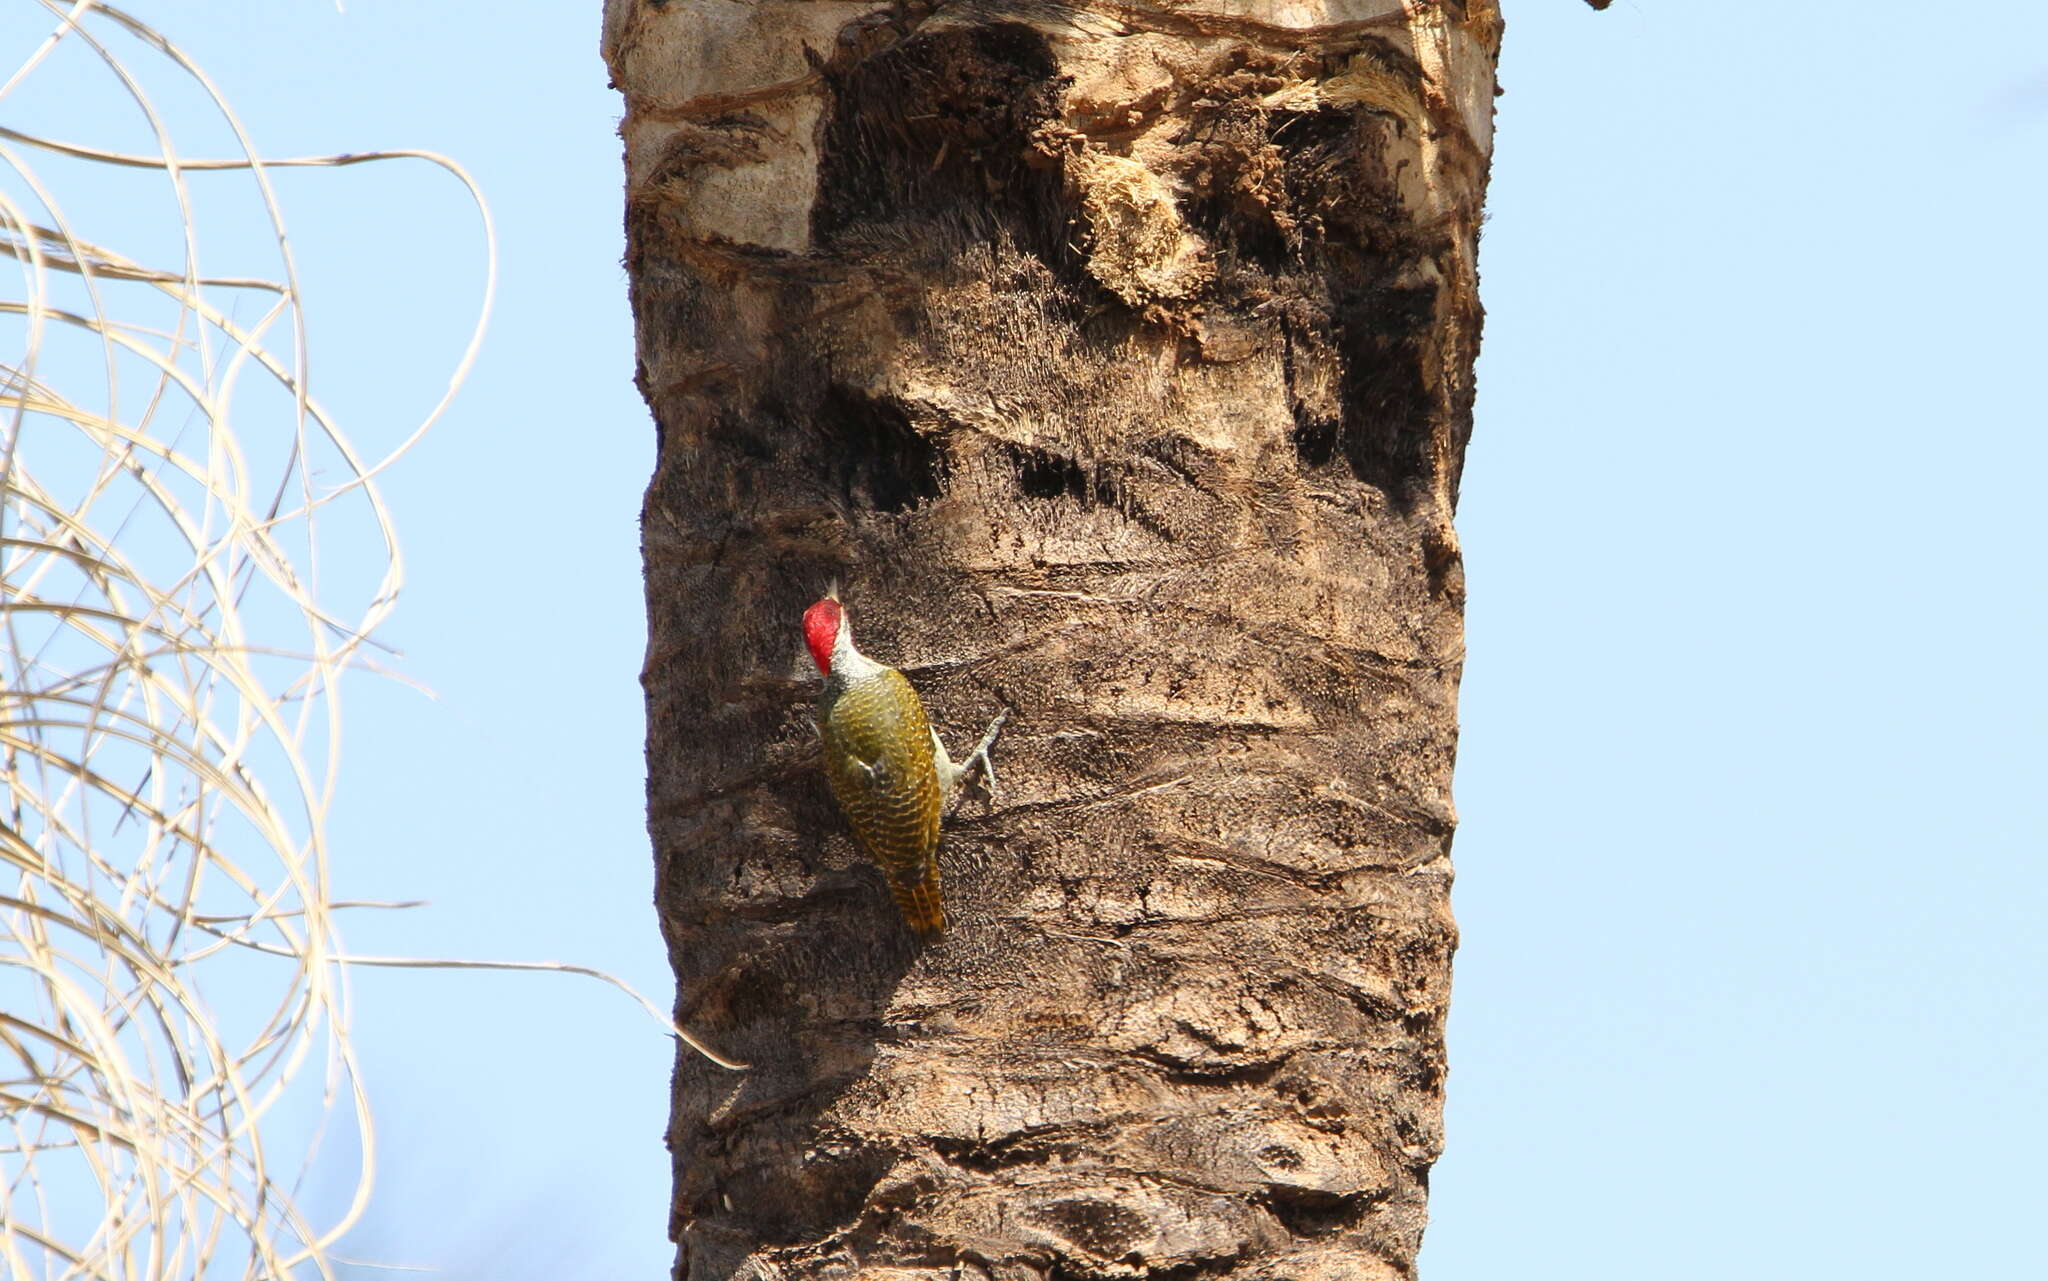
(832, 592)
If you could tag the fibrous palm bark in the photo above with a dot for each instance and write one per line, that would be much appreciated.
(1116, 359)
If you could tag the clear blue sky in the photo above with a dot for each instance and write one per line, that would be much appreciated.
(1750, 871)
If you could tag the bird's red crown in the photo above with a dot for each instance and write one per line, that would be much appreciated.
(821, 630)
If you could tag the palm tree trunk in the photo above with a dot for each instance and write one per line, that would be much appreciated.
(1117, 362)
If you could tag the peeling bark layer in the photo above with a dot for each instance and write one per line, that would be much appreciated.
(1116, 359)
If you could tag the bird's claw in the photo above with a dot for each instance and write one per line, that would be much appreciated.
(980, 754)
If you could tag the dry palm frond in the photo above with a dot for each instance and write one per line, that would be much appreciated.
(172, 636)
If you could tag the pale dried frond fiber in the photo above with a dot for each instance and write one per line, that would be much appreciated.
(191, 554)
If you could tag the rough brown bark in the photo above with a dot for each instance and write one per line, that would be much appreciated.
(1116, 358)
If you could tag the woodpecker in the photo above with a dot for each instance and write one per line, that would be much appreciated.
(886, 765)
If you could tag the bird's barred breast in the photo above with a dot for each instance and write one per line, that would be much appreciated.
(879, 760)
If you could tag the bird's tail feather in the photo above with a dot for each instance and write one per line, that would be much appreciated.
(920, 903)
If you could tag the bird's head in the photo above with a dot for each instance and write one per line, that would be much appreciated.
(823, 623)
